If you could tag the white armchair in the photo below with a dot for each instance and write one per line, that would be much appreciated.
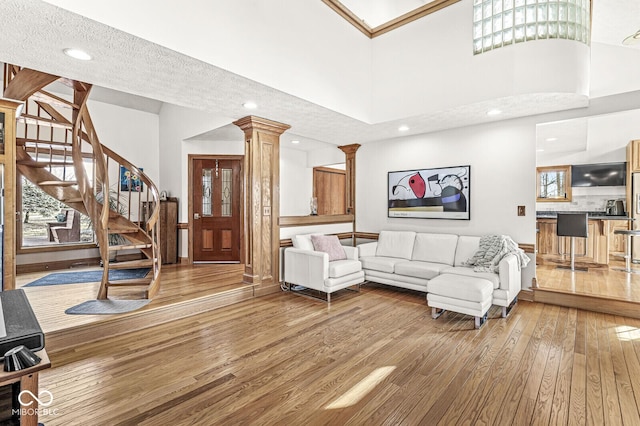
(312, 269)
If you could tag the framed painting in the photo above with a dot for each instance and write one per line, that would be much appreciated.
(439, 193)
(129, 181)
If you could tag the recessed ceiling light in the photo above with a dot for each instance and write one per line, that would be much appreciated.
(295, 141)
(540, 150)
(77, 54)
(494, 112)
(250, 105)
(551, 139)
(403, 128)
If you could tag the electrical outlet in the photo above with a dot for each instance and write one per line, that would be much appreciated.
(520, 210)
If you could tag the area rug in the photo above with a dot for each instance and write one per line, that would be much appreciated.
(106, 307)
(88, 277)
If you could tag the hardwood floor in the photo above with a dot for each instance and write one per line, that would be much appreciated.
(375, 357)
(600, 281)
(185, 290)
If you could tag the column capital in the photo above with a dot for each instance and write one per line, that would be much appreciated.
(252, 122)
(349, 149)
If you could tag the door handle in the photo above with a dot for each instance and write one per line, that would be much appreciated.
(196, 215)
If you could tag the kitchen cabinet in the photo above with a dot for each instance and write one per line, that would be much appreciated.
(617, 243)
(633, 156)
(549, 246)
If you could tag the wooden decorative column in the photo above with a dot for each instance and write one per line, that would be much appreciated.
(262, 202)
(350, 167)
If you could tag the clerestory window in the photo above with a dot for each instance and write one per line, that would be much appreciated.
(498, 23)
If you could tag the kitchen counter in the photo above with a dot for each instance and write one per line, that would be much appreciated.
(596, 248)
(592, 215)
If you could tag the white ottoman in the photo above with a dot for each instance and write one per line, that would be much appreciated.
(462, 294)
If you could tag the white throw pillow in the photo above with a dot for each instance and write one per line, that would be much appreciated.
(303, 241)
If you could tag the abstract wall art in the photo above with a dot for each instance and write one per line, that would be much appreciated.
(438, 193)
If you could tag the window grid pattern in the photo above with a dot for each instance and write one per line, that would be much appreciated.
(498, 23)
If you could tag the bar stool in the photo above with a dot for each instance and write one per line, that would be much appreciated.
(628, 233)
(573, 225)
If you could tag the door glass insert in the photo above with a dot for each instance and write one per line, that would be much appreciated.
(207, 200)
(226, 191)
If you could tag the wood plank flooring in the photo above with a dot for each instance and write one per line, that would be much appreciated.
(179, 283)
(599, 282)
(374, 357)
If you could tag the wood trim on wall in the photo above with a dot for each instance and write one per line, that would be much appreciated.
(57, 265)
(341, 236)
(398, 22)
(287, 221)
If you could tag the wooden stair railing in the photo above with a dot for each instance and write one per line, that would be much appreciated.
(58, 133)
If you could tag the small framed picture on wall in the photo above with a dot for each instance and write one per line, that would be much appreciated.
(130, 181)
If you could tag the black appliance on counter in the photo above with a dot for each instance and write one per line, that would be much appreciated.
(615, 208)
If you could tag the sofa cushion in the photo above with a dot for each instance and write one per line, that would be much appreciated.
(395, 244)
(303, 241)
(419, 269)
(466, 248)
(341, 268)
(438, 248)
(460, 287)
(469, 272)
(380, 263)
(329, 244)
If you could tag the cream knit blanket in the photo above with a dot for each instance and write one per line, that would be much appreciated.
(492, 249)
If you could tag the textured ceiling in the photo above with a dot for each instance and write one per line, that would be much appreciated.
(130, 65)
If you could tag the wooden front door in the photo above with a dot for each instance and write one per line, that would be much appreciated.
(216, 210)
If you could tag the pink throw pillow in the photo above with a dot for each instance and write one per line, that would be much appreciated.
(329, 244)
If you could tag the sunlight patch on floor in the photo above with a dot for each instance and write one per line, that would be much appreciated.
(363, 387)
(627, 333)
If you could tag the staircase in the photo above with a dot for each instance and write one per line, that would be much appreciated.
(58, 150)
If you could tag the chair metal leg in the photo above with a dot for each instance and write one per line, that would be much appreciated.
(573, 253)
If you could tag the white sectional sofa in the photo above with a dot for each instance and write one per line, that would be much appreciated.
(435, 263)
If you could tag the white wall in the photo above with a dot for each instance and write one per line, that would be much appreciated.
(131, 133)
(612, 69)
(296, 183)
(177, 124)
(502, 163)
(502, 159)
(429, 65)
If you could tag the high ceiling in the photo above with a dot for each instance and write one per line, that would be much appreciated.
(377, 12)
(126, 64)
